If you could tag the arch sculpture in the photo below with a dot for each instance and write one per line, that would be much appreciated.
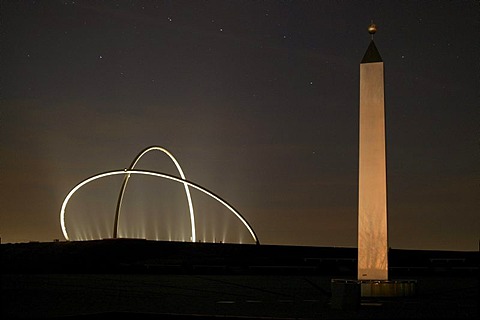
(127, 177)
(128, 172)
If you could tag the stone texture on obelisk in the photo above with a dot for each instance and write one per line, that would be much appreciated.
(372, 188)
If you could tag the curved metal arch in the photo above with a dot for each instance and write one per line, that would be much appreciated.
(156, 174)
(127, 177)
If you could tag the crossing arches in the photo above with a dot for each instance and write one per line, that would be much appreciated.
(155, 174)
(127, 177)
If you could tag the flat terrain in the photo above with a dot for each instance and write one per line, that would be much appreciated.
(163, 280)
(150, 296)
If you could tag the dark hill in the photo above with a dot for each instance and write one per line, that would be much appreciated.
(145, 256)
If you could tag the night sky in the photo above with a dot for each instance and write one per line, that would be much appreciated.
(257, 100)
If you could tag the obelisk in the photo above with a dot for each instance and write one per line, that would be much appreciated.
(372, 175)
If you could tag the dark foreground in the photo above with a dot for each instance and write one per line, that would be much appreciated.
(147, 296)
(155, 280)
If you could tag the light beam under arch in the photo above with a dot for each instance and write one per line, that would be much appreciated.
(127, 177)
(155, 174)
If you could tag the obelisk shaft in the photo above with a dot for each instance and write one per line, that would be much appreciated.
(372, 193)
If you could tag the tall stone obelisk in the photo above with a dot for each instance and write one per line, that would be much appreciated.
(372, 175)
(372, 195)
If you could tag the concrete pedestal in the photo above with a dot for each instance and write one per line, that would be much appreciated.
(347, 293)
(387, 288)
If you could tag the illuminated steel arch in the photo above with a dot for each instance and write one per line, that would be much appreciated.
(156, 174)
(127, 177)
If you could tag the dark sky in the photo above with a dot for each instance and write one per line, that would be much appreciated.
(257, 100)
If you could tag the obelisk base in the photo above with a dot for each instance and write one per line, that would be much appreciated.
(347, 293)
(387, 288)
